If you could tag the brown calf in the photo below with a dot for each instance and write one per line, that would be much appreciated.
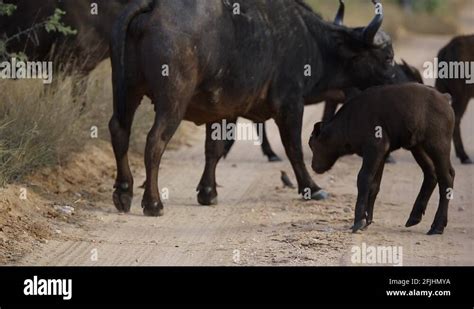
(384, 119)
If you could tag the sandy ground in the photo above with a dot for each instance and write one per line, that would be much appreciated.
(257, 222)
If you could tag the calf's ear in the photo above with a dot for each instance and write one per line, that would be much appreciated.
(317, 129)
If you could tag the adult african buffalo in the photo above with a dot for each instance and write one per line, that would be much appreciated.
(460, 51)
(205, 61)
(404, 73)
(81, 52)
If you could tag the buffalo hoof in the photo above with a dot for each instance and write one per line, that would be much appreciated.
(366, 227)
(436, 231)
(320, 195)
(155, 209)
(207, 196)
(274, 158)
(360, 225)
(122, 198)
(390, 160)
(412, 222)
(466, 161)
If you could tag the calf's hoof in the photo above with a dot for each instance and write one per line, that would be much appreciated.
(154, 209)
(274, 158)
(207, 196)
(436, 231)
(412, 222)
(122, 198)
(320, 195)
(466, 161)
(360, 225)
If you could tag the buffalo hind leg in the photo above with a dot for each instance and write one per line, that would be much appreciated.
(120, 135)
(429, 184)
(266, 147)
(460, 106)
(215, 150)
(445, 174)
(169, 113)
(290, 123)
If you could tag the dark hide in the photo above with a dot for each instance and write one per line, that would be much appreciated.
(384, 119)
(459, 49)
(223, 66)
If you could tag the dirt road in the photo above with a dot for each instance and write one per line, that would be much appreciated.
(257, 222)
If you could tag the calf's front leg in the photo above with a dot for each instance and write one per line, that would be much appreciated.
(374, 191)
(370, 173)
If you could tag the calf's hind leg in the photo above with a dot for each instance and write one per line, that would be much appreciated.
(445, 173)
(429, 184)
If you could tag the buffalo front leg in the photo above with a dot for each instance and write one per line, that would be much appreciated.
(120, 134)
(374, 191)
(373, 158)
(290, 122)
(215, 150)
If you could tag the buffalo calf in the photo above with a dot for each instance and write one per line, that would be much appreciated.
(384, 119)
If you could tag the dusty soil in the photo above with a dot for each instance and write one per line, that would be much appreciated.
(257, 222)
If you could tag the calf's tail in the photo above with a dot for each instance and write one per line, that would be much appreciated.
(117, 48)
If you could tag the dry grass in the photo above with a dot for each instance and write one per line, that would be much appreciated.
(38, 126)
(41, 126)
